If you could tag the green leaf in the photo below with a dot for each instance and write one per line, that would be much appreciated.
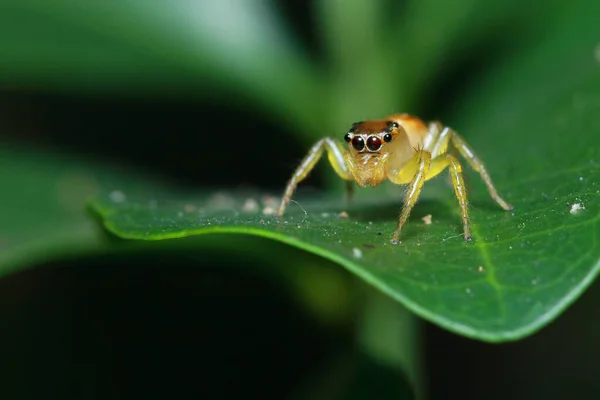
(41, 213)
(533, 119)
(534, 125)
(522, 270)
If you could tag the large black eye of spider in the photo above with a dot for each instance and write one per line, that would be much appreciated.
(347, 137)
(373, 143)
(358, 143)
(387, 137)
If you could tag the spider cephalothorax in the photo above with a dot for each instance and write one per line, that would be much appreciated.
(402, 149)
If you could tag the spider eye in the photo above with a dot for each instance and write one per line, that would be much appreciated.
(373, 143)
(358, 143)
(392, 125)
(347, 137)
(387, 137)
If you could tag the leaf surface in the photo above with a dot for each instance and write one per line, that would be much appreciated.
(523, 268)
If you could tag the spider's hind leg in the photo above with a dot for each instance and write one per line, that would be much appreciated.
(437, 139)
(438, 144)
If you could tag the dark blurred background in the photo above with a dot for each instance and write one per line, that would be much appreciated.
(210, 324)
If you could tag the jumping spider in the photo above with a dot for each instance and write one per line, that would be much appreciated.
(403, 149)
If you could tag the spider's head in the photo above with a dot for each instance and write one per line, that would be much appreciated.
(370, 144)
(372, 138)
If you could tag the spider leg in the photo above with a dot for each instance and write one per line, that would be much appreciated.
(434, 138)
(439, 145)
(460, 191)
(465, 150)
(414, 173)
(423, 168)
(335, 155)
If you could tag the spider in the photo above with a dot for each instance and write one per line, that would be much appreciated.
(403, 149)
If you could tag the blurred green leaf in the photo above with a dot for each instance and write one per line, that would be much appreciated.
(181, 45)
(363, 80)
(42, 215)
(44, 195)
(431, 37)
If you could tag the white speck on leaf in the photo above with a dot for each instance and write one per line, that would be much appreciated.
(427, 219)
(343, 214)
(576, 207)
(356, 252)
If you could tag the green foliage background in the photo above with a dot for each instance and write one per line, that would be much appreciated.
(167, 102)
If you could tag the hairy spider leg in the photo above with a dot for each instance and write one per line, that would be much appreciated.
(414, 173)
(335, 154)
(465, 150)
(447, 160)
(440, 139)
(434, 130)
(442, 136)
(422, 168)
(439, 148)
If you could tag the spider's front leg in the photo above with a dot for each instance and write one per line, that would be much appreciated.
(415, 174)
(422, 168)
(335, 154)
